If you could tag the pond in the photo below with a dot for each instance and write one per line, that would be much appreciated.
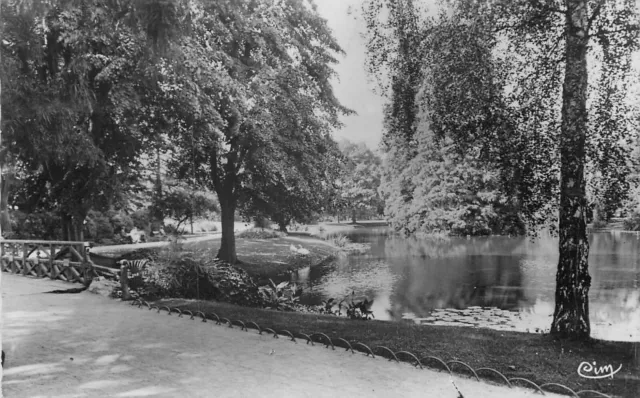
(496, 282)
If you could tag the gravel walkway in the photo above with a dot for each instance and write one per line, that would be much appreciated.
(85, 345)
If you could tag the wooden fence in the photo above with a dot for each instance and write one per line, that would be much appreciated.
(67, 261)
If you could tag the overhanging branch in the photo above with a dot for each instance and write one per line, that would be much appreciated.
(546, 7)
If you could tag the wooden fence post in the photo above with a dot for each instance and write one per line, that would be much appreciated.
(52, 253)
(124, 282)
(24, 259)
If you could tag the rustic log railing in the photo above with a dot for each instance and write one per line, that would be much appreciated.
(67, 261)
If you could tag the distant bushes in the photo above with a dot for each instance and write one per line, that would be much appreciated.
(38, 225)
(632, 223)
(102, 227)
(141, 219)
(262, 222)
(599, 224)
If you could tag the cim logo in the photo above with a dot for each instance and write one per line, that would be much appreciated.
(590, 371)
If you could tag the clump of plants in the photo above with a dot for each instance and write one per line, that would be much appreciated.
(359, 309)
(175, 273)
(340, 240)
(284, 296)
(194, 275)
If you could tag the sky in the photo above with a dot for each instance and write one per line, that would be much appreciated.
(354, 88)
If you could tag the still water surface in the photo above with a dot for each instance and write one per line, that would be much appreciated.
(496, 282)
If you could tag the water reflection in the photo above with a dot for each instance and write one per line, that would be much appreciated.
(497, 282)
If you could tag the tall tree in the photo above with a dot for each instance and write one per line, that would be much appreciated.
(360, 179)
(305, 186)
(253, 62)
(71, 72)
(542, 61)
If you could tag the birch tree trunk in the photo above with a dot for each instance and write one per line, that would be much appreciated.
(571, 315)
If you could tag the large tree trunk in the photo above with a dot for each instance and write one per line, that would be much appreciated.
(72, 228)
(79, 230)
(227, 250)
(571, 315)
(66, 227)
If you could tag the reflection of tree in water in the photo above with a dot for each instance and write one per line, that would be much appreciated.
(454, 273)
(367, 276)
(614, 261)
(419, 275)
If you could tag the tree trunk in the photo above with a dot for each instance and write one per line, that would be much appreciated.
(5, 219)
(3, 211)
(157, 211)
(66, 227)
(571, 315)
(79, 226)
(282, 224)
(227, 250)
(353, 216)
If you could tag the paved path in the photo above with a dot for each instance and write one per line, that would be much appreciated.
(148, 245)
(85, 345)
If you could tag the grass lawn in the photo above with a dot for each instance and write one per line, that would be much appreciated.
(536, 357)
(263, 258)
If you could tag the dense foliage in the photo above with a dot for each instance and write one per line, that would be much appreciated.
(181, 204)
(72, 74)
(236, 94)
(358, 195)
(533, 93)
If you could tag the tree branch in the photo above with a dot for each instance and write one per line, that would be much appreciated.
(545, 7)
(595, 14)
(630, 28)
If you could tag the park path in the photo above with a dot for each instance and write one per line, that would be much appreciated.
(86, 345)
(149, 245)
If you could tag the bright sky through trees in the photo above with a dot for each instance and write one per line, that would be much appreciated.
(355, 89)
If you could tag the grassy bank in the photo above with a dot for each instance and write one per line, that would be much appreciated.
(261, 258)
(536, 357)
(328, 229)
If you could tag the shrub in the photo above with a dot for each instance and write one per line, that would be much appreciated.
(598, 224)
(341, 240)
(260, 234)
(141, 219)
(39, 225)
(632, 223)
(261, 222)
(195, 276)
(282, 297)
(98, 226)
(156, 225)
(120, 221)
(171, 229)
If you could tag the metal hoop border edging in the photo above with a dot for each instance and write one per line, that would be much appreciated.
(350, 347)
